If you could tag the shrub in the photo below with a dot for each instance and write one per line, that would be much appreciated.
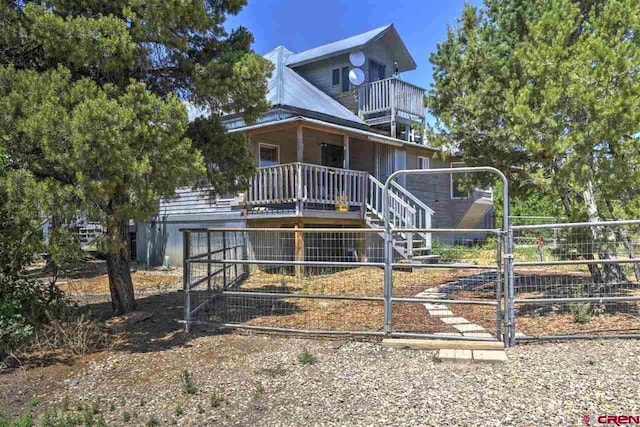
(189, 384)
(216, 399)
(75, 336)
(581, 312)
(306, 358)
(25, 306)
(25, 420)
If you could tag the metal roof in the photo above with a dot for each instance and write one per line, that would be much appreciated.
(352, 43)
(288, 88)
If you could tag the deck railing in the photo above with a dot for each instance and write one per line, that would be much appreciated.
(302, 182)
(391, 95)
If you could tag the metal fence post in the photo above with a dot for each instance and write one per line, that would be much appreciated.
(208, 261)
(499, 285)
(186, 245)
(388, 254)
(224, 256)
(510, 290)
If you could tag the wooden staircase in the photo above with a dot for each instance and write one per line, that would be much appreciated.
(405, 211)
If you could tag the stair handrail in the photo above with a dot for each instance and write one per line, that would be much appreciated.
(404, 214)
(423, 212)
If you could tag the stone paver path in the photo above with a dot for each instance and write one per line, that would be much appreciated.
(446, 316)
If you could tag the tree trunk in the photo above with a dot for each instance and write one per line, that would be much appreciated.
(624, 238)
(119, 269)
(611, 273)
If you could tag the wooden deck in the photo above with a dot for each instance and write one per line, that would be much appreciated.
(301, 189)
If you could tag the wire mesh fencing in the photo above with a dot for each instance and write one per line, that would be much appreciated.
(577, 280)
(332, 281)
(452, 289)
(307, 280)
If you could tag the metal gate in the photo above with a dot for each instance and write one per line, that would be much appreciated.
(353, 281)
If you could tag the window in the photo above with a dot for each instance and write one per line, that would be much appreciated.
(335, 77)
(376, 71)
(457, 190)
(269, 155)
(345, 79)
(423, 162)
(332, 155)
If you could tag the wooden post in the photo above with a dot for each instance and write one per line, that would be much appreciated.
(299, 144)
(393, 107)
(299, 159)
(345, 142)
(298, 248)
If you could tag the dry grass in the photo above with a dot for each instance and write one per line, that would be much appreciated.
(74, 337)
(143, 281)
(346, 315)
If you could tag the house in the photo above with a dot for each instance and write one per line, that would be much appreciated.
(324, 151)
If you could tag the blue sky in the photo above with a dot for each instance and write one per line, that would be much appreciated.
(303, 24)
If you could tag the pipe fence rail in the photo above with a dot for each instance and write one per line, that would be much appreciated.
(331, 281)
(577, 280)
(532, 281)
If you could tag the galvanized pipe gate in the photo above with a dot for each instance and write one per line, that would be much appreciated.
(508, 315)
(325, 280)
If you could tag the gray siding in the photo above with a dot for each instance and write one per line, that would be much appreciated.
(319, 73)
(435, 191)
(157, 239)
(195, 202)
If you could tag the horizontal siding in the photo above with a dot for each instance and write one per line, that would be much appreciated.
(195, 202)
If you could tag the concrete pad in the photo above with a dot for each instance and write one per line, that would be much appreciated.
(429, 291)
(434, 296)
(440, 313)
(489, 356)
(435, 344)
(450, 355)
(469, 327)
(455, 320)
(430, 306)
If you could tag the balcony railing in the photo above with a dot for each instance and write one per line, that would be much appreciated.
(391, 95)
(302, 182)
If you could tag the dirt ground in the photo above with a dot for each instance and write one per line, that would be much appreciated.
(243, 378)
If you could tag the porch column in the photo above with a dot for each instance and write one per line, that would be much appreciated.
(299, 144)
(299, 159)
(345, 143)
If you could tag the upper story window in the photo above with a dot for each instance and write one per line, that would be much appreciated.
(457, 190)
(335, 77)
(269, 155)
(423, 162)
(345, 79)
(377, 71)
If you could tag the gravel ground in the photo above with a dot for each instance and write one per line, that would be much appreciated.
(262, 382)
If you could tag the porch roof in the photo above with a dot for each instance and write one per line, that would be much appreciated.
(367, 135)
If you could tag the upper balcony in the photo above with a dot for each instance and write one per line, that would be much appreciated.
(387, 100)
